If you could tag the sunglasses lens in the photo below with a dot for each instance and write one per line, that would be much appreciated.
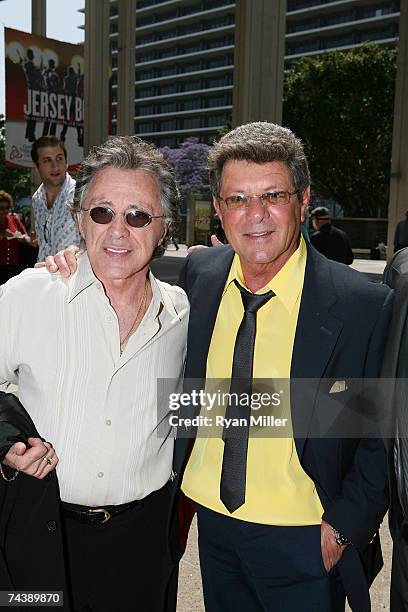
(138, 218)
(101, 215)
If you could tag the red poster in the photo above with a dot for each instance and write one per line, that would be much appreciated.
(44, 95)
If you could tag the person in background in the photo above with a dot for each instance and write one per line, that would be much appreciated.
(329, 240)
(12, 235)
(55, 227)
(401, 234)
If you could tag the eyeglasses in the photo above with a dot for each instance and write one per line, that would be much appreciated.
(135, 218)
(273, 198)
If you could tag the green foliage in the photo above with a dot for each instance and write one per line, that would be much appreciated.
(16, 181)
(341, 105)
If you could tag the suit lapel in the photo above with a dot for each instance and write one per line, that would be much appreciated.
(317, 332)
(205, 297)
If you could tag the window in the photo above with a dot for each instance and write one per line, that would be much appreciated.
(300, 26)
(343, 17)
(191, 104)
(147, 109)
(143, 128)
(145, 93)
(168, 107)
(168, 141)
(216, 120)
(379, 34)
(219, 81)
(225, 60)
(170, 124)
(168, 89)
(221, 100)
(191, 122)
(341, 41)
(191, 67)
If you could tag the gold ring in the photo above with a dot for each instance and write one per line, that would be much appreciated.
(48, 460)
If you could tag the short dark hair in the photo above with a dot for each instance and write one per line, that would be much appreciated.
(6, 197)
(259, 142)
(320, 212)
(46, 141)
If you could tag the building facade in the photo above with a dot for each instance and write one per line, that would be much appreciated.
(185, 56)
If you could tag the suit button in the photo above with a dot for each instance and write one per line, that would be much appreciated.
(52, 526)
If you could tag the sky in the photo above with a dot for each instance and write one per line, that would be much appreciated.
(63, 20)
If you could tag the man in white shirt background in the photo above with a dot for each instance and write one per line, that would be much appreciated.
(87, 373)
(55, 227)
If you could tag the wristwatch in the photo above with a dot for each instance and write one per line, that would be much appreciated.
(341, 540)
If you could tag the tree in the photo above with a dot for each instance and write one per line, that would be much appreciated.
(189, 162)
(341, 105)
(16, 181)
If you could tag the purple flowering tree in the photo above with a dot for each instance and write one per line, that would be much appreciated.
(189, 162)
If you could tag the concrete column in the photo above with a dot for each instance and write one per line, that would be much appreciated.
(38, 26)
(39, 17)
(258, 61)
(126, 67)
(96, 77)
(398, 203)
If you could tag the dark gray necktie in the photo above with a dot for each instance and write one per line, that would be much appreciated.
(233, 474)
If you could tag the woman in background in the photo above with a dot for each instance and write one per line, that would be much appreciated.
(12, 235)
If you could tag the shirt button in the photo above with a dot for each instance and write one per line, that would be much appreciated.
(99, 285)
(52, 525)
(100, 474)
(108, 422)
(109, 319)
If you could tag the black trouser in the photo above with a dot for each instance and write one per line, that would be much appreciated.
(123, 564)
(263, 568)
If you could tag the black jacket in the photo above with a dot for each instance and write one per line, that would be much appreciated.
(31, 546)
(333, 243)
(340, 334)
(394, 389)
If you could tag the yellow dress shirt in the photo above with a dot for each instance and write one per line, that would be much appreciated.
(278, 491)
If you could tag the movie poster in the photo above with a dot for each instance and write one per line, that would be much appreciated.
(44, 95)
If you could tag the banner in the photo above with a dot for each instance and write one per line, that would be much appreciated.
(44, 95)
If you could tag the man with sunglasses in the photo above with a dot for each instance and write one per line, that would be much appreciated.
(53, 226)
(87, 372)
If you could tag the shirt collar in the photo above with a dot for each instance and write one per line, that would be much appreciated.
(287, 285)
(84, 277)
(65, 185)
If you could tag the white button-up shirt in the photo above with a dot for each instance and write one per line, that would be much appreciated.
(55, 227)
(98, 408)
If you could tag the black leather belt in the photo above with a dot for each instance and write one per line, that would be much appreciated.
(98, 515)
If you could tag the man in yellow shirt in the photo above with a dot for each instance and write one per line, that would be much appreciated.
(287, 517)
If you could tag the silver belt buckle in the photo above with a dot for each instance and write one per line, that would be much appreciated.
(106, 515)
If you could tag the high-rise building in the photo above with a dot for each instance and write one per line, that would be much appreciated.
(185, 56)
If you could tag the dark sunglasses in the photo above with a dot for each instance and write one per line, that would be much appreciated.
(133, 217)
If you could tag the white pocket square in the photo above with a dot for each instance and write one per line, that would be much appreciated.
(339, 386)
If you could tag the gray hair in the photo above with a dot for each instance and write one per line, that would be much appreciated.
(259, 142)
(130, 153)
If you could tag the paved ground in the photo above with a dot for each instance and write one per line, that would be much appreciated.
(190, 597)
